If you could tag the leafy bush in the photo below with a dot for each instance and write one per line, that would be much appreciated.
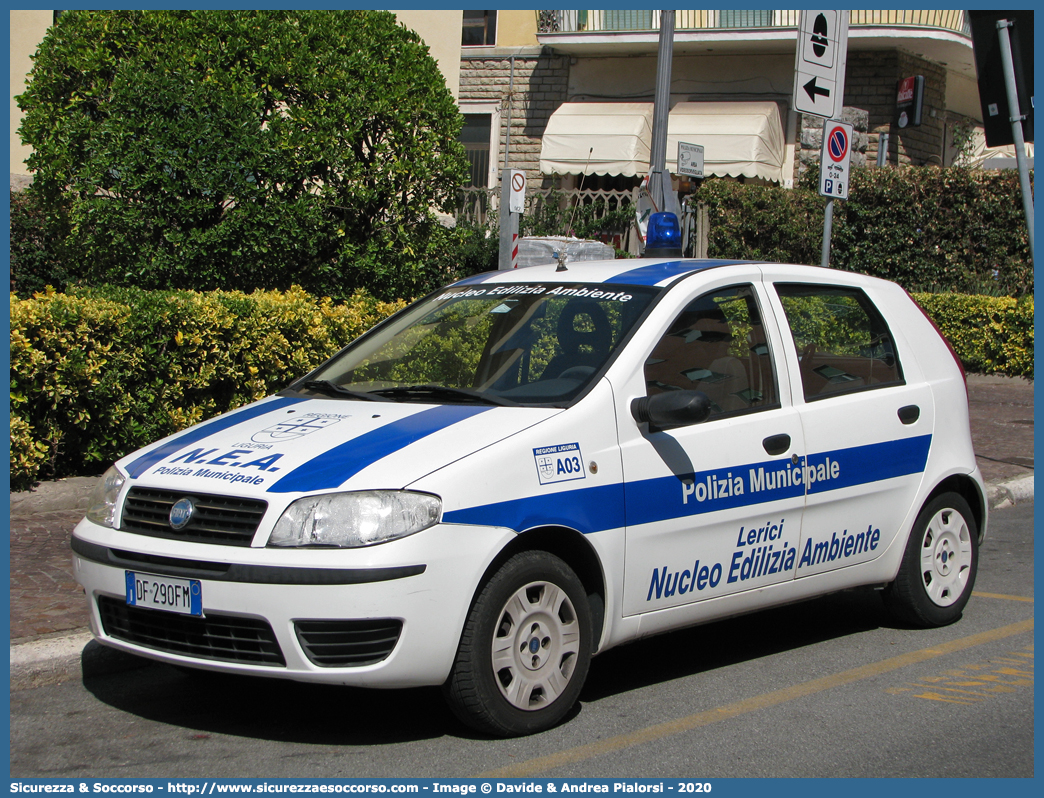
(36, 257)
(989, 334)
(243, 149)
(958, 230)
(98, 374)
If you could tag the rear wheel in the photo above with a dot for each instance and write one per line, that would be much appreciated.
(525, 650)
(936, 577)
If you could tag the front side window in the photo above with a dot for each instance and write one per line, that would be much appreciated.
(496, 344)
(717, 345)
(842, 341)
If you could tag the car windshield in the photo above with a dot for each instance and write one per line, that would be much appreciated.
(497, 344)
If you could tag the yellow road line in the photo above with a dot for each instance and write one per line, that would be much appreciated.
(571, 756)
(1001, 596)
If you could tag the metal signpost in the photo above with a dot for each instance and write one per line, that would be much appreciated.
(1003, 44)
(819, 90)
(663, 198)
(512, 206)
(834, 170)
(1016, 118)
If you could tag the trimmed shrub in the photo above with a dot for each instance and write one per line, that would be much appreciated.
(98, 374)
(990, 334)
(208, 149)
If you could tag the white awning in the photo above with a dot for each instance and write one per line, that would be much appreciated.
(597, 139)
(739, 138)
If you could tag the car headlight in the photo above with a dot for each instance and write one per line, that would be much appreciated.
(351, 520)
(102, 507)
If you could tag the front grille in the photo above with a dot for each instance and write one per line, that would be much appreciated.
(347, 644)
(224, 520)
(226, 638)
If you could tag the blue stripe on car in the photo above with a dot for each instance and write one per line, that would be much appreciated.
(586, 510)
(654, 273)
(475, 279)
(333, 468)
(873, 462)
(661, 499)
(147, 461)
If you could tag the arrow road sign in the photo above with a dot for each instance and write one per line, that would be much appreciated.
(819, 68)
(812, 89)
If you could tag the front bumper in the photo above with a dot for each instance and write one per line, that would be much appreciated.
(395, 610)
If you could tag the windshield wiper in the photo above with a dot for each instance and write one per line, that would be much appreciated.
(444, 392)
(325, 386)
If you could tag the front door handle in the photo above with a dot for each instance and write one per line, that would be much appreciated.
(776, 444)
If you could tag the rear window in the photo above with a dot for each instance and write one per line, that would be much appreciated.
(842, 341)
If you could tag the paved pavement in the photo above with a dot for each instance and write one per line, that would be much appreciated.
(48, 611)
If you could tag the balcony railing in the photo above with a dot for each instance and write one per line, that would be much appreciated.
(615, 21)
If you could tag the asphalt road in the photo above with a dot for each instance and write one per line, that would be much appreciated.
(826, 688)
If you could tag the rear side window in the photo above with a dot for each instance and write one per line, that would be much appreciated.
(717, 345)
(842, 341)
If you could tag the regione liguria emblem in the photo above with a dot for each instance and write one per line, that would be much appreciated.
(294, 428)
(562, 462)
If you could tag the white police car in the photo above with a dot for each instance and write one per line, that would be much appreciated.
(529, 467)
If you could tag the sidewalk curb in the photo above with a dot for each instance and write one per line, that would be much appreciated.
(76, 655)
(60, 659)
(1010, 492)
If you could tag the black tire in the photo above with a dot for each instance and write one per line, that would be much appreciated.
(534, 613)
(938, 570)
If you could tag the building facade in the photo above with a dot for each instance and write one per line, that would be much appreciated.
(541, 66)
(526, 82)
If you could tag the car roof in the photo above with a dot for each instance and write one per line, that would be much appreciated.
(646, 271)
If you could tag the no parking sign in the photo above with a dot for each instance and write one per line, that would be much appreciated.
(834, 159)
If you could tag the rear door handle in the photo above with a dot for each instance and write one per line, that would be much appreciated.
(776, 444)
(909, 414)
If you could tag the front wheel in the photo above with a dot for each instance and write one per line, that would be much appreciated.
(938, 570)
(525, 649)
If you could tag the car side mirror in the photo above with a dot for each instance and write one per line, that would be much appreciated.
(671, 409)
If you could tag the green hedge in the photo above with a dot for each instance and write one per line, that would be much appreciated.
(101, 373)
(990, 334)
(98, 374)
(936, 230)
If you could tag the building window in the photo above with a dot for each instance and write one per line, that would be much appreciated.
(479, 28)
(758, 18)
(627, 20)
(476, 138)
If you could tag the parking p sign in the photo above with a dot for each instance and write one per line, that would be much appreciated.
(835, 159)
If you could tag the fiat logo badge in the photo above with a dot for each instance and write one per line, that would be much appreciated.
(181, 513)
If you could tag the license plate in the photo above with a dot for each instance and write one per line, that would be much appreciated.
(168, 593)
